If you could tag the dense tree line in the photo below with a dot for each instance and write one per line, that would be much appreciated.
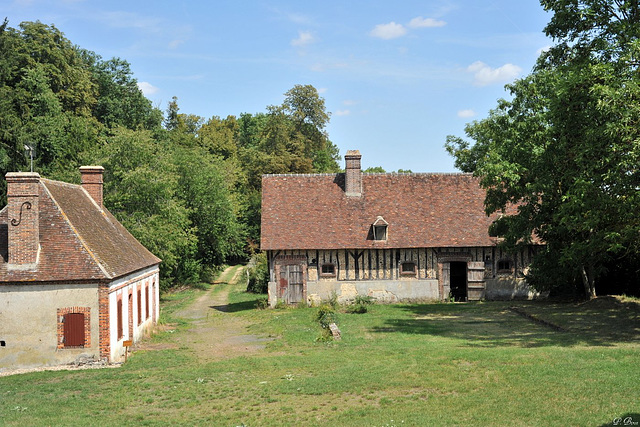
(566, 150)
(187, 187)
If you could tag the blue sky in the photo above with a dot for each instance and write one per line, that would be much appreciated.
(398, 77)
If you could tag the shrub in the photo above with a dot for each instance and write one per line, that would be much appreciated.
(364, 300)
(258, 272)
(326, 315)
(357, 308)
(333, 300)
(262, 303)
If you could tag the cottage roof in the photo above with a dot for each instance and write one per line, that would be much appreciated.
(79, 240)
(421, 210)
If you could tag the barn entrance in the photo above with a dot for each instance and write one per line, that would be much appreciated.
(458, 280)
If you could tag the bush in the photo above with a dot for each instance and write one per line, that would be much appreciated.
(364, 300)
(326, 315)
(258, 270)
(262, 303)
(357, 309)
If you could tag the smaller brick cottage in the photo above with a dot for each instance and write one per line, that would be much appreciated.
(74, 283)
(390, 236)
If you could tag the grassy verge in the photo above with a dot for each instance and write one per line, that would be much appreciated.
(402, 365)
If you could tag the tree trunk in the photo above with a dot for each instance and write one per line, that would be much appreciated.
(589, 284)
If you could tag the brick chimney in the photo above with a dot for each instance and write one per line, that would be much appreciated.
(92, 181)
(353, 174)
(23, 192)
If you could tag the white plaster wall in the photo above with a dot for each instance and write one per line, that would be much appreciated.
(28, 323)
(508, 288)
(120, 288)
(381, 290)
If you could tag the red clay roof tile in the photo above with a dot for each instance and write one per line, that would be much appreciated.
(422, 210)
(79, 241)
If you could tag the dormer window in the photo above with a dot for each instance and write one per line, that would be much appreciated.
(380, 229)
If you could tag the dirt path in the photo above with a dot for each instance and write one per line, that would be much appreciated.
(216, 333)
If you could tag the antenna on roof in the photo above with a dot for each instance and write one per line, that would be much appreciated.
(30, 149)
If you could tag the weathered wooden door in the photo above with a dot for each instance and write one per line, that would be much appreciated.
(475, 280)
(291, 283)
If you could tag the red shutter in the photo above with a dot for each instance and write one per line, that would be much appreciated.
(120, 334)
(146, 303)
(74, 330)
(139, 307)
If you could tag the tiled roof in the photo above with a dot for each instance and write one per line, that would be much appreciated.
(422, 210)
(79, 241)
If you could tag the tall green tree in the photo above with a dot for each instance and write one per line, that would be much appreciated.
(142, 190)
(306, 109)
(565, 149)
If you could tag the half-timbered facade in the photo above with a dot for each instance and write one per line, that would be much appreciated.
(394, 237)
(74, 283)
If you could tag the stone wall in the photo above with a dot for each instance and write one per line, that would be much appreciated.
(386, 291)
(29, 319)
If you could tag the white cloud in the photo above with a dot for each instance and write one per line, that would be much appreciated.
(543, 49)
(322, 90)
(420, 22)
(304, 38)
(147, 88)
(484, 75)
(343, 112)
(175, 43)
(388, 31)
(349, 102)
(465, 114)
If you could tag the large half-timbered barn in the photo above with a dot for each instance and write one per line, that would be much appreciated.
(394, 237)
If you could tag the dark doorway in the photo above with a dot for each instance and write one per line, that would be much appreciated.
(458, 283)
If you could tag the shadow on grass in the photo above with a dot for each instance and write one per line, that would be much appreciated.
(248, 301)
(493, 324)
(235, 306)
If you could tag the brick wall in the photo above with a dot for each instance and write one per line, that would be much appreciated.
(103, 304)
(23, 191)
(92, 181)
(353, 172)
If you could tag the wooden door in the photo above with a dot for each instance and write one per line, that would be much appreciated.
(291, 283)
(475, 280)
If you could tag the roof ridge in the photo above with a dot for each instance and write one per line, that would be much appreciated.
(55, 181)
(266, 175)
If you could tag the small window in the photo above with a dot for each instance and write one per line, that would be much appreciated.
(379, 232)
(504, 266)
(408, 268)
(328, 270)
(74, 327)
(380, 229)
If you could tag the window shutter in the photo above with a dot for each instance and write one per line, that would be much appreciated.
(74, 330)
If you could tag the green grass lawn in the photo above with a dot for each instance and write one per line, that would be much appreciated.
(479, 364)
